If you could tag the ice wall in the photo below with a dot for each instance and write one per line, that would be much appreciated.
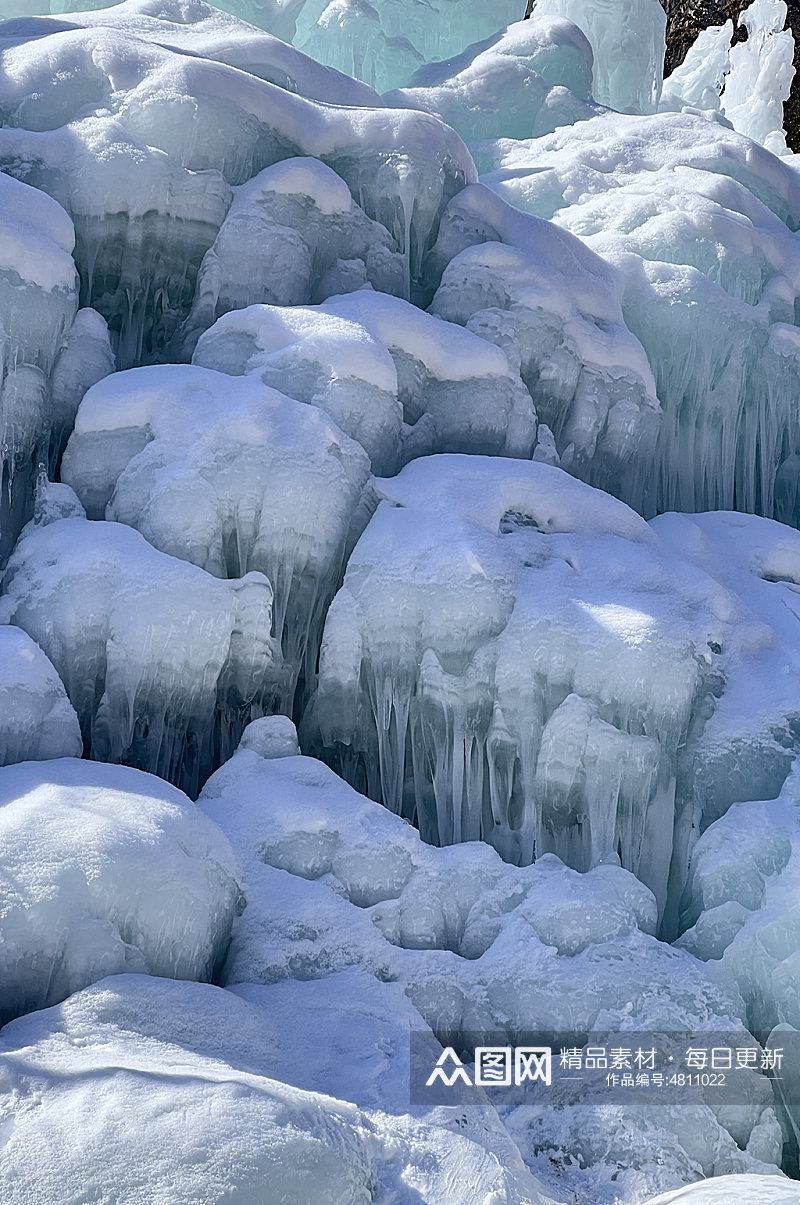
(628, 40)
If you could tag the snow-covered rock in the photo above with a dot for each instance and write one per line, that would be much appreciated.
(163, 662)
(37, 720)
(103, 870)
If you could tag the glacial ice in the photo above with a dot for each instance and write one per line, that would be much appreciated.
(627, 39)
(333, 881)
(235, 477)
(700, 222)
(37, 720)
(172, 1089)
(94, 859)
(163, 663)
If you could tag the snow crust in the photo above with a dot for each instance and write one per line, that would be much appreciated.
(94, 859)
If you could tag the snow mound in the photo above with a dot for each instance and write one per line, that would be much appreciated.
(172, 1087)
(523, 82)
(37, 720)
(555, 309)
(98, 116)
(743, 1190)
(163, 663)
(292, 236)
(400, 381)
(700, 223)
(94, 860)
(516, 657)
(232, 476)
(334, 881)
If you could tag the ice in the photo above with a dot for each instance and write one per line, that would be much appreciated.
(487, 669)
(761, 75)
(95, 859)
(322, 359)
(740, 904)
(37, 720)
(334, 882)
(628, 41)
(38, 300)
(699, 80)
(521, 83)
(749, 82)
(292, 236)
(400, 381)
(233, 476)
(555, 309)
(700, 222)
(384, 43)
(172, 1088)
(163, 663)
(147, 170)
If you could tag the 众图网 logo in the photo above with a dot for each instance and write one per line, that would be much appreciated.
(495, 1067)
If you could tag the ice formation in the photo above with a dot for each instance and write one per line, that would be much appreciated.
(42, 374)
(163, 663)
(488, 670)
(182, 1074)
(230, 475)
(148, 200)
(525, 81)
(627, 39)
(37, 719)
(556, 310)
(700, 221)
(94, 859)
(333, 881)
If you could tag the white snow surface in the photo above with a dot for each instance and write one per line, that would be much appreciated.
(333, 882)
(95, 858)
(172, 1088)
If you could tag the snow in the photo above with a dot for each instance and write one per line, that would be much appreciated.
(523, 82)
(163, 663)
(110, 143)
(94, 859)
(172, 1089)
(37, 720)
(335, 883)
(700, 222)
